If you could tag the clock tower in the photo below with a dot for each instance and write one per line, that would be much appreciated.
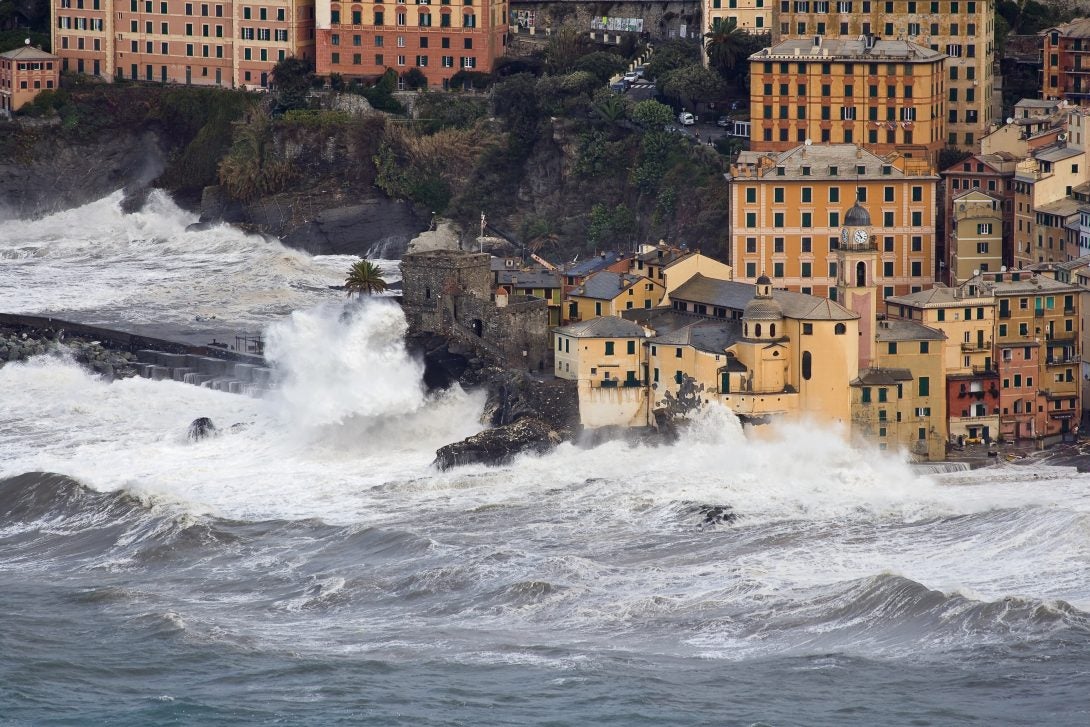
(856, 284)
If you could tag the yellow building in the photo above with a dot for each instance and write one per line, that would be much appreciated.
(609, 294)
(752, 16)
(679, 269)
(976, 239)
(961, 29)
(887, 95)
(608, 358)
(900, 402)
(787, 214)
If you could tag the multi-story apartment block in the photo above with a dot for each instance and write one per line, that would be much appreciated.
(24, 73)
(962, 29)
(1065, 62)
(1035, 124)
(789, 211)
(228, 43)
(1043, 185)
(900, 402)
(362, 40)
(976, 240)
(966, 314)
(992, 174)
(886, 95)
(752, 16)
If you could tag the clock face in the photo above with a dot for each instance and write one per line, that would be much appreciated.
(860, 236)
(844, 235)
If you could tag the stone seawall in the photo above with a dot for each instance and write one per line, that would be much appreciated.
(120, 354)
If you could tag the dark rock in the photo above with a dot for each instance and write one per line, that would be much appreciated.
(718, 514)
(217, 206)
(201, 428)
(499, 445)
(199, 227)
(375, 228)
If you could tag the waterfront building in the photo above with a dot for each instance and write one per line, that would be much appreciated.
(752, 16)
(976, 239)
(787, 215)
(900, 400)
(609, 294)
(886, 95)
(960, 29)
(227, 43)
(535, 282)
(24, 73)
(608, 359)
(674, 266)
(1065, 62)
(361, 40)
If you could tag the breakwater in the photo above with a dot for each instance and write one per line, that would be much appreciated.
(121, 354)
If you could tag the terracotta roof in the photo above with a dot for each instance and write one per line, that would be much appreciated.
(29, 53)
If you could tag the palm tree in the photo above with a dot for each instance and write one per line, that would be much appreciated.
(725, 45)
(364, 277)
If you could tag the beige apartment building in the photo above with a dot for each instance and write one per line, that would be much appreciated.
(788, 214)
(961, 29)
(976, 239)
(887, 95)
(752, 16)
(230, 44)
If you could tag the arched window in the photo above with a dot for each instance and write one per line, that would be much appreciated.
(757, 330)
(807, 365)
(746, 332)
(861, 275)
(840, 329)
(772, 330)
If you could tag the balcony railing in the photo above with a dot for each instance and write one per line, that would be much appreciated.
(1062, 360)
(1060, 336)
(1004, 313)
(976, 346)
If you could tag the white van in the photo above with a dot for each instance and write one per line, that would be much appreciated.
(686, 119)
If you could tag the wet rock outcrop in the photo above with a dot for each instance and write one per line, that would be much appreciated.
(201, 428)
(19, 345)
(500, 444)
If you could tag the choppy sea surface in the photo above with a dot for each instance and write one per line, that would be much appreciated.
(310, 566)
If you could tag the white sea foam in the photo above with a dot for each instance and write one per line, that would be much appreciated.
(99, 264)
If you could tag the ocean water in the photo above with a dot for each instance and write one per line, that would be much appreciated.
(309, 565)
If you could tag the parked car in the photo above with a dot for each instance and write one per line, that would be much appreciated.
(632, 76)
(686, 119)
(723, 121)
(619, 86)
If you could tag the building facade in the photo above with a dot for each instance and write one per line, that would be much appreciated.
(229, 44)
(752, 16)
(787, 216)
(976, 240)
(887, 95)
(1065, 62)
(992, 174)
(961, 29)
(24, 73)
(362, 40)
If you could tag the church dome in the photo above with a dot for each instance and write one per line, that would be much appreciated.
(857, 216)
(764, 280)
(762, 309)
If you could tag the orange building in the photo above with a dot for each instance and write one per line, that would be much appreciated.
(231, 44)
(789, 211)
(884, 94)
(24, 73)
(1065, 61)
(437, 37)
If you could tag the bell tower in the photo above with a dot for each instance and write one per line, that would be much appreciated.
(857, 285)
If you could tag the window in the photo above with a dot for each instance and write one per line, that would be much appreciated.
(631, 347)
(609, 344)
(924, 384)
(751, 195)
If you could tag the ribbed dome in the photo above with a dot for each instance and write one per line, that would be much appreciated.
(762, 309)
(764, 280)
(857, 216)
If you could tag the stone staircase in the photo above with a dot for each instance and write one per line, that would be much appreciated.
(221, 374)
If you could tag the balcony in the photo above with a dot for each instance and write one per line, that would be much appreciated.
(970, 346)
(1060, 336)
(1062, 360)
(1004, 313)
(1038, 312)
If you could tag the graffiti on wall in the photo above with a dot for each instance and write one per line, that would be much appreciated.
(616, 25)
